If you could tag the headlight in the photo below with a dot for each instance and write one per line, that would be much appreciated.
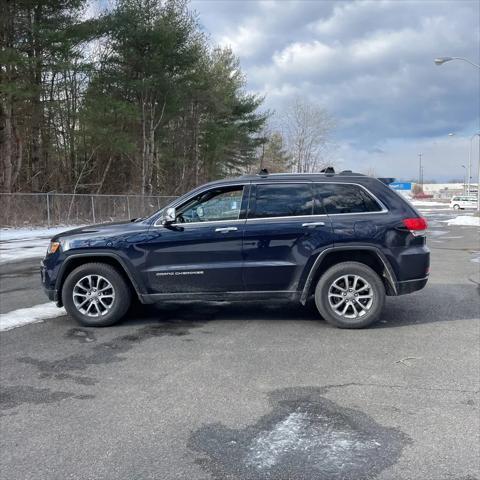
(53, 247)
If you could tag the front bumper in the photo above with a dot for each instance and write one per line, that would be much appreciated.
(51, 293)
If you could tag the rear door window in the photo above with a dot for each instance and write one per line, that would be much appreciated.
(282, 200)
(335, 198)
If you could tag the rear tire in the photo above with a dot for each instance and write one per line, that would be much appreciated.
(96, 295)
(350, 295)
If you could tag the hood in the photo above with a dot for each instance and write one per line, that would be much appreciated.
(105, 235)
(96, 229)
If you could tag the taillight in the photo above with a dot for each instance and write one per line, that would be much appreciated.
(417, 226)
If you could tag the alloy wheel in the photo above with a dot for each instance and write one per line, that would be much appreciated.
(350, 296)
(93, 295)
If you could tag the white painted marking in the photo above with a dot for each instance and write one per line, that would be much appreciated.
(25, 316)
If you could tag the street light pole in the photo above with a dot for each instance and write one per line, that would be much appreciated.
(464, 178)
(420, 169)
(441, 60)
(478, 179)
(470, 163)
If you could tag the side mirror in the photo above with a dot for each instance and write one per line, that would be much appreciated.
(170, 216)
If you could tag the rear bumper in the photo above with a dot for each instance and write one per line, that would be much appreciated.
(409, 286)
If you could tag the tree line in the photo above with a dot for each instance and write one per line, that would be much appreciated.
(133, 100)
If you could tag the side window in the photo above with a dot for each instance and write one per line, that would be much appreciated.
(213, 205)
(283, 200)
(344, 198)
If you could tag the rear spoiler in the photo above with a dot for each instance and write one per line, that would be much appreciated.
(387, 181)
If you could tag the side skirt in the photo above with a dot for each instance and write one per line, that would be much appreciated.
(220, 296)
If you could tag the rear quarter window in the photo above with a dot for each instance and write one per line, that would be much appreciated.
(335, 198)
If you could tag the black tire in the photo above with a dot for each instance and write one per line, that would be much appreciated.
(118, 306)
(456, 207)
(376, 288)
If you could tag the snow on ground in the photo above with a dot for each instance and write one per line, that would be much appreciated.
(24, 316)
(434, 210)
(22, 243)
(464, 220)
(426, 203)
(9, 234)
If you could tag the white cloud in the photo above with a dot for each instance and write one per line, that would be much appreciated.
(244, 40)
(371, 64)
(304, 57)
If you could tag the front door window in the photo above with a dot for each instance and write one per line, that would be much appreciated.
(212, 206)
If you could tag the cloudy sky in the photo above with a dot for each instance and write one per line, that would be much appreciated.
(370, 63)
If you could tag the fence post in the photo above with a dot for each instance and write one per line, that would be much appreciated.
(128, 208)
(93, 209)
(48, 210)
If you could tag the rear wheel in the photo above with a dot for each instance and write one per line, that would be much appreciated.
(350, 295)
(96, 295)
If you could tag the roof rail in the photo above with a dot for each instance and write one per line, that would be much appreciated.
(328, 170)
(387, 181)
(263, 173)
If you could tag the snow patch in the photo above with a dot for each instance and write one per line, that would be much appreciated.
(9, 234)
(10, 252)
(22, 243)
(464, 220)
(418, 203)
(434, 210)
(300, 432)
(25, 316)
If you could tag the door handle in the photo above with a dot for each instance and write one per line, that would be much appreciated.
(313, 224)
(226, 229)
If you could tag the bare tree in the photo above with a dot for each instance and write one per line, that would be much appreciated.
(308, 128)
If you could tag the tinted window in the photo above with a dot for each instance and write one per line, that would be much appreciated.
(213, 205)
(283, 200)
(340, 198)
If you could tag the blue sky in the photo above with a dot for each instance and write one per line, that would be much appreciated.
(370, 63)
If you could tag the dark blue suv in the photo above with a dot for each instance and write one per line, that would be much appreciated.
(345, 239)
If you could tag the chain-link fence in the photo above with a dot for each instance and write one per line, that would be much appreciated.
(47, 209)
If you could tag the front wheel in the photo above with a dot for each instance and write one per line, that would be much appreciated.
(456, 207)
(96, 295)
(350, 295)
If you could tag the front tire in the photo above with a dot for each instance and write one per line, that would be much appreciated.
(456, 207)
(96, 295)
(350, 295)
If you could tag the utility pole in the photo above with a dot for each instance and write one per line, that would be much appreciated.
(420, 170)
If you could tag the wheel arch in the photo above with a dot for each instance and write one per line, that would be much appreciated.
(75, 260)
(368, 255)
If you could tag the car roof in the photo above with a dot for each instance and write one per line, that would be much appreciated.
(279, 177)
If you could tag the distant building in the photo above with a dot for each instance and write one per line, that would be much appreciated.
(447, 190)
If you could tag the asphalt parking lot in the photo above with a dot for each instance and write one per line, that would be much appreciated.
(250, 391)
